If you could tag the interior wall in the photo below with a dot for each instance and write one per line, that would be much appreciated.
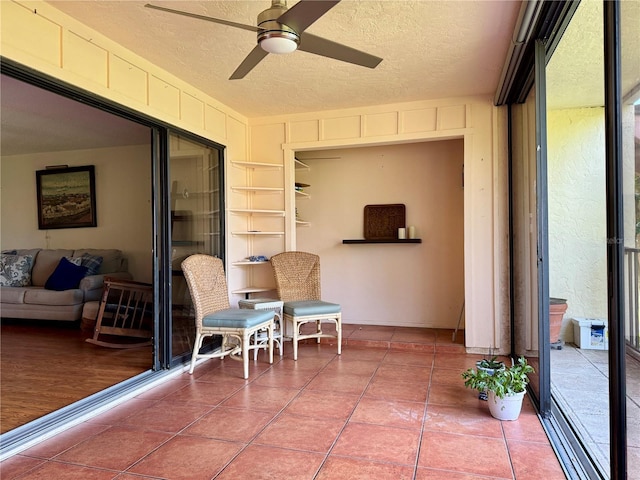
(577, 213)
(123, 204)
(483, 128)
(418, 285)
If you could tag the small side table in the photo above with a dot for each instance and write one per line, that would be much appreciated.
(260, 339)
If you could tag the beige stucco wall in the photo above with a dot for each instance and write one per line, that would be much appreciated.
(577, 216)
(124, 218)
(57, 45)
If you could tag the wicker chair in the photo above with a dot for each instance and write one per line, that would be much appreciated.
(208, 287)
(297, 277)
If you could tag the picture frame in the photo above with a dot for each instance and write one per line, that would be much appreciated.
(66, 197)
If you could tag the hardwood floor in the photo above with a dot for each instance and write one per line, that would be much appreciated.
(45, 366)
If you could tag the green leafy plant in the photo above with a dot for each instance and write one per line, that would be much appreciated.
(491, 363)
(503, 382)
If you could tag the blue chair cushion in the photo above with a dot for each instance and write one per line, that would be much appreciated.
(303, 308)
(237, 318)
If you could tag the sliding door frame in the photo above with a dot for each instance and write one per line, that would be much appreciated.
(615, 241)
(542, 228)
(576, 461)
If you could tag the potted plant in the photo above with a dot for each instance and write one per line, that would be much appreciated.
(505, 387)
(489, 365)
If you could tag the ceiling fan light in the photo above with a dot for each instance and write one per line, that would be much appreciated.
(279, 42)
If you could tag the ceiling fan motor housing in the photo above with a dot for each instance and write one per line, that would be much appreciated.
(271, 29)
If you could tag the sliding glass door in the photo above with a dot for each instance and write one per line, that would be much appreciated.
(575, 254)
(628, 105)
(160, 198)
(577, 233)
(195, 199)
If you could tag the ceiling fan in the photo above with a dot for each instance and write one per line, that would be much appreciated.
(282, 30)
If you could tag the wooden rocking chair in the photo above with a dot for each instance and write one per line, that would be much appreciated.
(125, 313)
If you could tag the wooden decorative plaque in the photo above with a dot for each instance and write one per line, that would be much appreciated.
(381, 222)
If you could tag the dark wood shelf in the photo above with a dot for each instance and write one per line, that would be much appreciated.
(397, 240)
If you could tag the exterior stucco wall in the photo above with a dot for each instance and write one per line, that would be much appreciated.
(577, 217)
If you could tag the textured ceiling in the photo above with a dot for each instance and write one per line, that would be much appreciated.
(575, 71)
(582, 40)
(430, 49)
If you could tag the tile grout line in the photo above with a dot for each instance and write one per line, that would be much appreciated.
(424, 413)
(335, 441)
(275, 417)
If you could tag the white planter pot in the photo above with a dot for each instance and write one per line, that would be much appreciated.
(507, 408)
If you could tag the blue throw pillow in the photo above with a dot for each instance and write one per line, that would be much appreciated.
(65, 276)
(92, 262)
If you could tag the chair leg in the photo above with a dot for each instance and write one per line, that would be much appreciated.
(254, 339)
(224, 341)
(339, 332)
(245, 354)
(295, 326)
(271, 342)
(318, 330)
(196, 348)
(280, 340)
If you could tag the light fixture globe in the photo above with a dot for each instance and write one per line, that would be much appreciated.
(278, 41)
(276, 37)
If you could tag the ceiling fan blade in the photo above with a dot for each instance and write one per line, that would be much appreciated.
(251, 28)
(304, 13)
(327, 48)
(253, 59)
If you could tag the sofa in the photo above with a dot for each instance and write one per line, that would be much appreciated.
(54, 284)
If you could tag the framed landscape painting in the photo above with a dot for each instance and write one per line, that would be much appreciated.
(66, 197)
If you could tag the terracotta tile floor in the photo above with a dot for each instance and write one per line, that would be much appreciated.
(392, 406)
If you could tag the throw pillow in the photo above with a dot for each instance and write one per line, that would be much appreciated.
(15, 270)
(92, 262)
(75, 261)
(65, 276)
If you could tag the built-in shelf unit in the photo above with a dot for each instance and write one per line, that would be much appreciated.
(255, 214)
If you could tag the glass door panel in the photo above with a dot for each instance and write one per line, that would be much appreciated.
(195, 204)
(630, 112)
(577, 231)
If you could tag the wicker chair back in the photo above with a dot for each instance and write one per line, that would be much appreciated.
(207, 285)
(297, 276)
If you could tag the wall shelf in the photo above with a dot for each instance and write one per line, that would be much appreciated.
(248, 262)
(256, 165)
(259, 189)
(255, 211)
(361, 241)
(257, 233)
(300, 165)
(247, 291)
